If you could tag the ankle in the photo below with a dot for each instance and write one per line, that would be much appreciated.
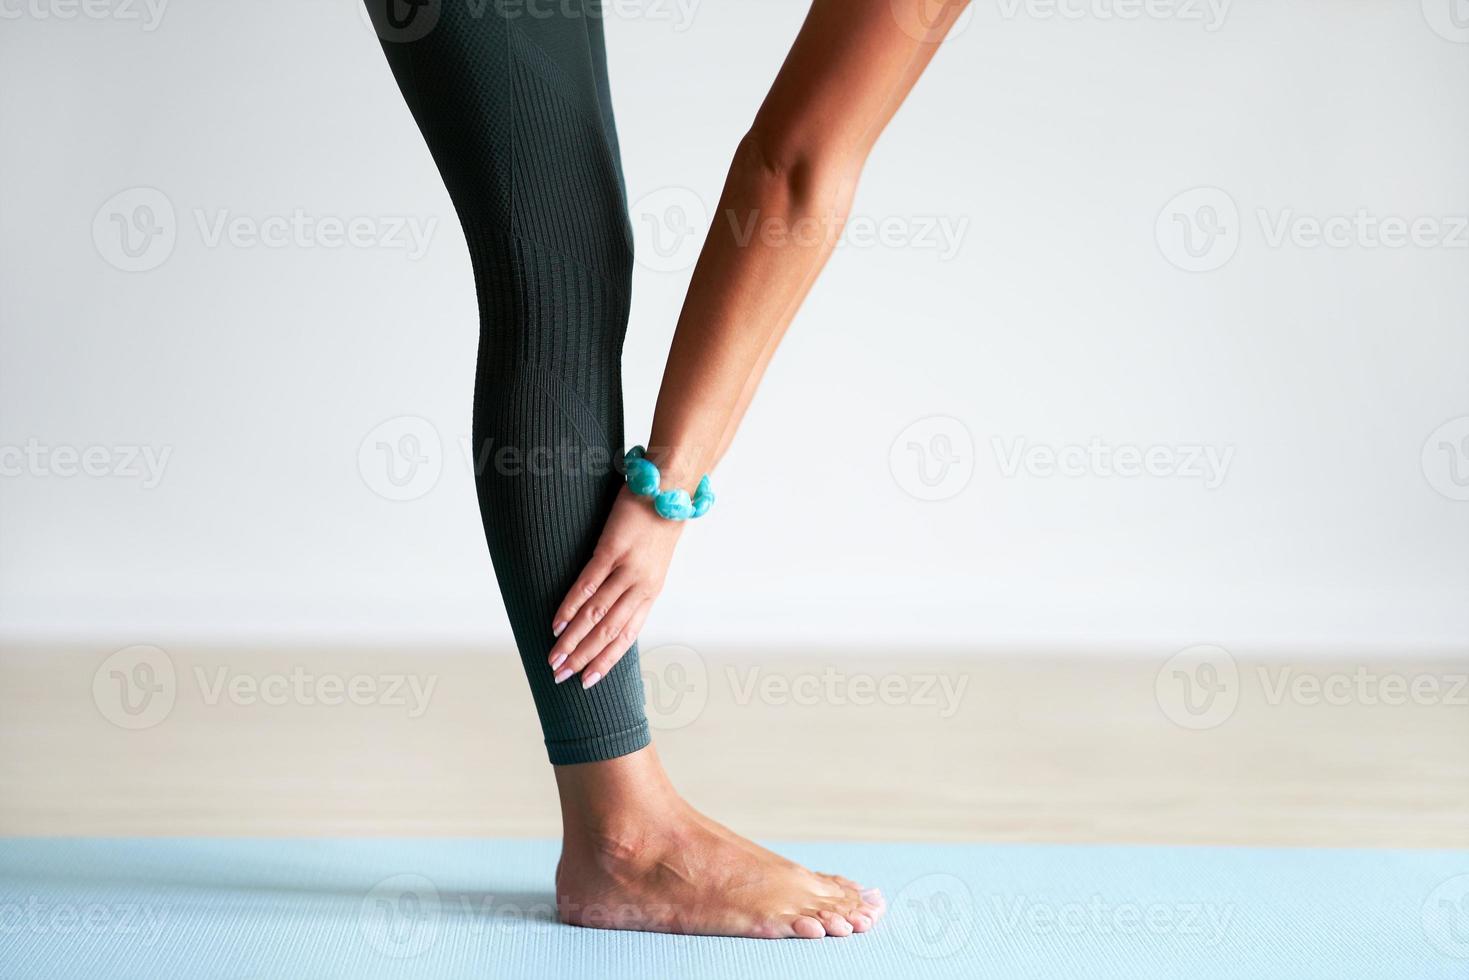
(626, 853)
(619, 804)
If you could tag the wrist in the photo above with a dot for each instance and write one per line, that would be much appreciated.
(679, 465)
(670, 501)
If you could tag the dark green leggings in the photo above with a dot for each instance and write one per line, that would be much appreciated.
(511, 96)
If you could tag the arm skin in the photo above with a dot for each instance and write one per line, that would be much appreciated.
(784, 205)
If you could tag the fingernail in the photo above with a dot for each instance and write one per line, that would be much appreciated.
(590, 679)
(561, 675)
(561, 659)
(558, 628)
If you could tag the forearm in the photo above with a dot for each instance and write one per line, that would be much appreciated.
(772, 233)
(782, 210)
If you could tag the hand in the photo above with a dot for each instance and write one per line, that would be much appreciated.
(600, 617)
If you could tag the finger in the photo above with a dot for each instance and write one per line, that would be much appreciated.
(583, 589)
(603, 663)
(592, 612)
(607, 632)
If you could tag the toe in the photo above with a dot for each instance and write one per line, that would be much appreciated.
(836, 924)
(846, 895)
(873, 903)
(861, 921)
(807, 927)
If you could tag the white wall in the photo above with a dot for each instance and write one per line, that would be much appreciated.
(1054, 146)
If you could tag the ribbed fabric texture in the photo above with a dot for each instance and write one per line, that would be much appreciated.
(516, 112)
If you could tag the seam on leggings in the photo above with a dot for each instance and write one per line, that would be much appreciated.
(568, 748)
(599, 738)
(622, 290)
(568, 403)
(544, 65)
(514, 133)
(548, 384)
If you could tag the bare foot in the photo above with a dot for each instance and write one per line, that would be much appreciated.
(636, 856)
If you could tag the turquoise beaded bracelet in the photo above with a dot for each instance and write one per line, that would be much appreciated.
(673, 505)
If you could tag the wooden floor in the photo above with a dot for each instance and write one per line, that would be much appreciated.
(1000, 748)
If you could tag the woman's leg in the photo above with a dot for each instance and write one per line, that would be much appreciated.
(516, 113)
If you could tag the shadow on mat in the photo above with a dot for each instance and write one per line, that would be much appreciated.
(223, 880)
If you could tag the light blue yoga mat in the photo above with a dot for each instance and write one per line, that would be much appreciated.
(201, 908)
